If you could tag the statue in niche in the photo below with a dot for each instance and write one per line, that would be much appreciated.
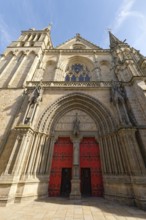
(118, 97)
(34, 98)
(34, 95)
(97, 72)
(76, 126)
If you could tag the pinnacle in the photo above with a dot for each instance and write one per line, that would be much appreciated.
(49, 27)
(114, 41)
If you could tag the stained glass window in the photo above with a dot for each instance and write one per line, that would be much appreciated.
(77, 72)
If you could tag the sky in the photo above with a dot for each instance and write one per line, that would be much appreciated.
(91, 18)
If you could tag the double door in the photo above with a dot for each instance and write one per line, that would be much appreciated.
(90, 168)
(66, 176)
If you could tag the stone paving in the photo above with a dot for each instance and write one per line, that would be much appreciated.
(65, 209)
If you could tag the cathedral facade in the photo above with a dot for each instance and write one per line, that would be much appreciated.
(73, 120)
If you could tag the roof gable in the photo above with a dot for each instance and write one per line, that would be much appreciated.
(77, 42)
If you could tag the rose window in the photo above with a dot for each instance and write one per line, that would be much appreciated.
(77, 72)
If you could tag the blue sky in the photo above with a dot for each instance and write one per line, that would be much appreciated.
(90, 18)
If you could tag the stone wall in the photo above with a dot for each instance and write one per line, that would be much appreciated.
(10, 101)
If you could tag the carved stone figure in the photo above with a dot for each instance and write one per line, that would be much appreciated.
(34, 96)
(118, 97)
(76, 126)
(97, 72)
(33, 99)
(117, 93)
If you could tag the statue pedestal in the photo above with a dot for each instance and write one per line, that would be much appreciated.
(75, 189)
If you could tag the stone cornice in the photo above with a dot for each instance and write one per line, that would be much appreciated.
(75, 85)
(31, 31)
(75, 51)
(84, 85)
(62, 84)
(23, 129)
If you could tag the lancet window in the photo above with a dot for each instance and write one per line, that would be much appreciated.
(77, 72)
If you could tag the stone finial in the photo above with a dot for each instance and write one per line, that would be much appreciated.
(78, 37)
(49, 27)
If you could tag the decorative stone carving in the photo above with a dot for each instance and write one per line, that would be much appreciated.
(34, 99)
(118, 96)
(97, 72)
(34, 95)
(77, 72)
(76, 126)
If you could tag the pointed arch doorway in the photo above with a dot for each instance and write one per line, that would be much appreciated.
(54, 123)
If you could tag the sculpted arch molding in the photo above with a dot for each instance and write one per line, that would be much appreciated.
(93, 107)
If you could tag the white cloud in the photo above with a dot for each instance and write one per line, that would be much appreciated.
(122, 14)
(137, 33)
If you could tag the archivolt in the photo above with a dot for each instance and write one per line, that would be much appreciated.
(77, 59)
(91, 106)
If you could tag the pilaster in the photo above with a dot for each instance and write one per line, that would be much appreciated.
(136, 164)
(17, 71)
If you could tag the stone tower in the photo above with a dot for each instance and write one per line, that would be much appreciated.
(73, 120)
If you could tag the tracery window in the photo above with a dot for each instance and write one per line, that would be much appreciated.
(77, 72)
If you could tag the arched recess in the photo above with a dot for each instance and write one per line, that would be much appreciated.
(88, 65)
(105, 67)
(91, 106)
(111, 155)
(49, 72)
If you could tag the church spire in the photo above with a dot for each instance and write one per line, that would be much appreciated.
(114, 41)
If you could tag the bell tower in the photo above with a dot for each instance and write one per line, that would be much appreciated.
(34, 38)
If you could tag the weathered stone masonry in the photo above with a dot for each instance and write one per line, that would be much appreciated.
(43, 90)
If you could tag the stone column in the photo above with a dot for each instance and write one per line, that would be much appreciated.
(75, 182)
(134, 157)
(13, 155)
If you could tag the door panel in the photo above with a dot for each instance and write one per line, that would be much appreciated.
(65, 182)
(62, 158)
(90, 167)
(85, 182)
(90, 158)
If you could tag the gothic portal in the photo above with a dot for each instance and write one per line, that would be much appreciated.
(73, 120)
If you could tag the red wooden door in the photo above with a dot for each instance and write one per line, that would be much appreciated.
(62, 158)
(90, 159)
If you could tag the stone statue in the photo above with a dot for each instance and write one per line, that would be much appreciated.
(34, 98)
(76, 126)
(34, 95)
(118, 97)
(117, 93)
(97, 73)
